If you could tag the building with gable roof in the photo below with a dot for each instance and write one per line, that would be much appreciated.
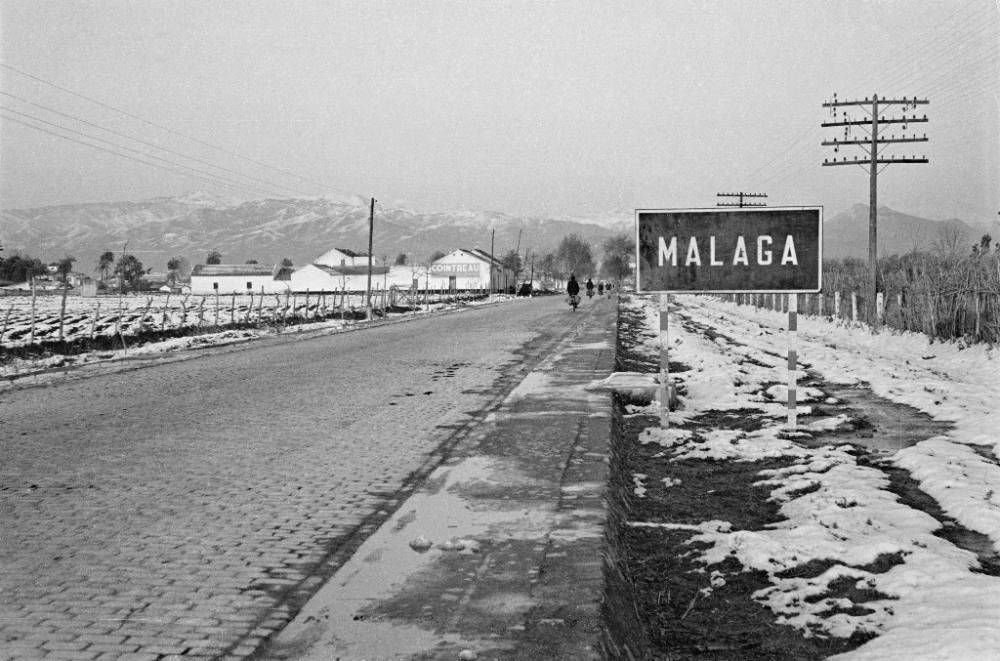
(240, 279)
(470, 269)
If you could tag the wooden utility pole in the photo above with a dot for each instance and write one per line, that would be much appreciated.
(741, 195)
(493, 236)
(371, 231)
(873, 144)
(517, 258)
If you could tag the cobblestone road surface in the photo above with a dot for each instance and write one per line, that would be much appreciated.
(185, 510)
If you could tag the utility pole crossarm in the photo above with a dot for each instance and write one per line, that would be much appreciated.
(868, 122)
(881, 161)
(839, 143)
(741, 195)
(882, 102)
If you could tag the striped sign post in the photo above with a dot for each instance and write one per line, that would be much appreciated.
(793, 341)
(772, 250)
(664, 363)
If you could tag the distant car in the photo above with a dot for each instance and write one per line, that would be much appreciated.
(525, 289)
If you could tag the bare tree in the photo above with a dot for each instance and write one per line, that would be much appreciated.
(575, 257)
(950, 242)
(618, 252)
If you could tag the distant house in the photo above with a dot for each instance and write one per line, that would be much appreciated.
(240, 279)
(470, 269)
(342, 257)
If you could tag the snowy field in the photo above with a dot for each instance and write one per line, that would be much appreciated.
(940, 604)
(106, 316)
(85, 316)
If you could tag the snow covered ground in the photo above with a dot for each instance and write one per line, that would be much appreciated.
(50, 367)
(937, 604)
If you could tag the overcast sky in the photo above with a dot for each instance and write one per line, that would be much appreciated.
(531, 108)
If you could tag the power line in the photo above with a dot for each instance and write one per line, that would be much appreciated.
(158, 126)
(172, 167)
(142, 142)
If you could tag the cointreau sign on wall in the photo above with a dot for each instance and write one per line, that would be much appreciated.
(774, 249)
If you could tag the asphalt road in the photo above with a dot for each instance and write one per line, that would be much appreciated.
(182, 510)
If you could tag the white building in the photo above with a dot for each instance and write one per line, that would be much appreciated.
(240, 279)
(342, 257)
(470, 269)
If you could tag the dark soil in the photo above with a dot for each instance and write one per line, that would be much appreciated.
(657, 607)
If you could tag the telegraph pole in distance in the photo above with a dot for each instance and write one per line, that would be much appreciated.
(873, 144)
(493, 237)
(741, 203)
(371, 231)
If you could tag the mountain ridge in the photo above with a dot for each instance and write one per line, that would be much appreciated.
(268, 230)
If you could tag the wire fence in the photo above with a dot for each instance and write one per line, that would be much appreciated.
(35, 324)
(945, 298)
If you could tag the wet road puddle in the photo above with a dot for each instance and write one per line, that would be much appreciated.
(450, 524)
(877, 424)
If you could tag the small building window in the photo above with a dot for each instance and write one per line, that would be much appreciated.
(249, 286)
(215, 286)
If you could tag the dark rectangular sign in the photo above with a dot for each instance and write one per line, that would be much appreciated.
(777, 249)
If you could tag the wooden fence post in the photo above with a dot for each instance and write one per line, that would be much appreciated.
(93, 324)
(163, 317)
(145, 313)
(216, 308)
(6, 320)
(976, 296)
(31, 335)
(232, 309)
(854, 306)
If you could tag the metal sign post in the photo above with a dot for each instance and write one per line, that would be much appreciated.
(793, 337)
(768, 250)
(664, 389)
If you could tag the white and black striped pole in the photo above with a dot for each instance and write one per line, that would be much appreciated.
(664, 363)
(793, 309)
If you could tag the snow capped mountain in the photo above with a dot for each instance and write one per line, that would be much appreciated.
(194, 224)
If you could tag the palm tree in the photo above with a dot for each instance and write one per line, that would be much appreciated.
(173, 266)
(104, 264)
(65, 267)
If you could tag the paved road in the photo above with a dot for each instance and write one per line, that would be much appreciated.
(183, 510)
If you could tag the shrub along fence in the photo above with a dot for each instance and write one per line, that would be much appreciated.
(944, 297)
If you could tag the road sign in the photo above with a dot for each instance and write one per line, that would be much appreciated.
(762, 250)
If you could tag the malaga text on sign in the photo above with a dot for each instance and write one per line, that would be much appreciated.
(777, 249)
